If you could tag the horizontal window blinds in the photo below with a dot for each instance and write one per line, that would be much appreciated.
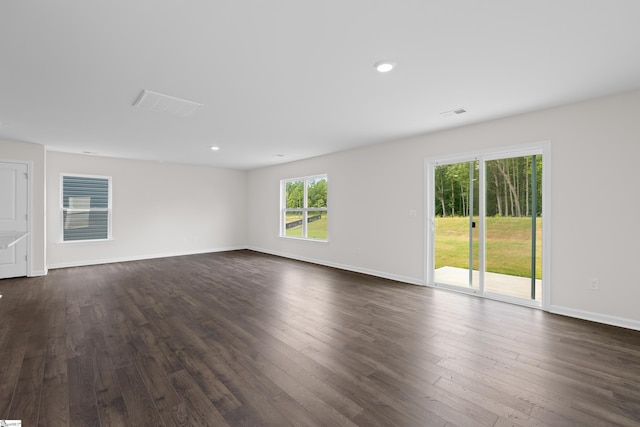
(85, 208)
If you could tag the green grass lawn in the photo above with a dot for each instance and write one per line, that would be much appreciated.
(508, 243)
(315, 230)
(508, 249)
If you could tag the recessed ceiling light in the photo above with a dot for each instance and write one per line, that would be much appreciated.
(384, 66)
(214, 148)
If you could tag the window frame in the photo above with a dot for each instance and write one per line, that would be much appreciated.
(108, 209)
(305, 209)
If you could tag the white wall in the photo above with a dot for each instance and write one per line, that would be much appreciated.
(159, 209)
(33, 154)
(595, 149)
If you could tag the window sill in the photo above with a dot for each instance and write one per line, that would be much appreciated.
(83, 242)
(304, 239)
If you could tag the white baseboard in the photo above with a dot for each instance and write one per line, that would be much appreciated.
(140, 257)
(596, 317)
(376, 273)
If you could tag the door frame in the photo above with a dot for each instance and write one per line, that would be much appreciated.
(29, 238)
(482, 155)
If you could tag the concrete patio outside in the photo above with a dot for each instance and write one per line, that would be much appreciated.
(503, 284)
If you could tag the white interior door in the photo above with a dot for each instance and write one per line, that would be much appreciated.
(13, 219)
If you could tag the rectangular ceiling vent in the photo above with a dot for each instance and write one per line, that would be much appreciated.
(453, 112)
(161, 103)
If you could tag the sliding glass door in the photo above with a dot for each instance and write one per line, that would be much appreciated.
(486, 224)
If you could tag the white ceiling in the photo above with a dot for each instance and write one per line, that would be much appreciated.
(296, 77)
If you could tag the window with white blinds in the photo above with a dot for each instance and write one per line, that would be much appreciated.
(86, 208)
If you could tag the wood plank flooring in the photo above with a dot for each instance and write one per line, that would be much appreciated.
(243, 339)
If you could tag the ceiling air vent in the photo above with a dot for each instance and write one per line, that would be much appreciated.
(159, 102)
(453, 112)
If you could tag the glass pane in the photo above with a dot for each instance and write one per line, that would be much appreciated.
(86, 225)
(79, 202)
(456, 225)
(294, 194)
(293, 223)
(317, 193)
(73, 220)
(83, 190)
(511, 222)
(317, 225)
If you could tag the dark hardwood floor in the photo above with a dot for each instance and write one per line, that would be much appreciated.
(242, 338)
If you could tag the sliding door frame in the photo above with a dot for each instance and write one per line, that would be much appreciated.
(483, 155)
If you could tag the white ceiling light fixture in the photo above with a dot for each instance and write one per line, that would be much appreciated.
(384, 66)
(154, 101)
(214, 148)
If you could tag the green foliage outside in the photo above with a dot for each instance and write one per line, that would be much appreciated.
(295, 194)
(508, 247)
(509, 187)
(316, 193)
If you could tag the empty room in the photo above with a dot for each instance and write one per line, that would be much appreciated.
(409, 213)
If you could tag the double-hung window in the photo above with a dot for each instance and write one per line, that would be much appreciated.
(85, 204)
(303, 204)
